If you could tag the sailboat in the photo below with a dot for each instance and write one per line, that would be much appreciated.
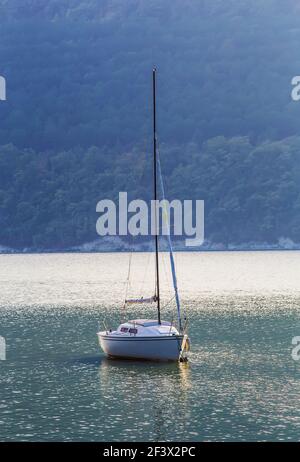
(150, 339)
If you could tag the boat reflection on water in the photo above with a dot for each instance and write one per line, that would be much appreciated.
(145, 396)
(176, 411)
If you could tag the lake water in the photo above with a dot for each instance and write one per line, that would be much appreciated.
(241, 383)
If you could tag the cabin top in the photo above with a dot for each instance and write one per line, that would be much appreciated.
(148, 322)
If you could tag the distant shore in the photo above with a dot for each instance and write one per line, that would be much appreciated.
(106, 245)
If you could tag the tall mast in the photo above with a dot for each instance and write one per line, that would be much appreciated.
(155, 196)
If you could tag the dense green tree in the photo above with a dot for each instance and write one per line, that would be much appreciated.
(76, 126)
(251, 192)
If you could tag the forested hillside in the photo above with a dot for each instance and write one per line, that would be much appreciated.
(76, 126)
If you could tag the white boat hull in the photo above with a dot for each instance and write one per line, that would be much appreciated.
(163, 348)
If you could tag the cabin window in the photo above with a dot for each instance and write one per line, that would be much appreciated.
(124, 329)
(133, 331)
